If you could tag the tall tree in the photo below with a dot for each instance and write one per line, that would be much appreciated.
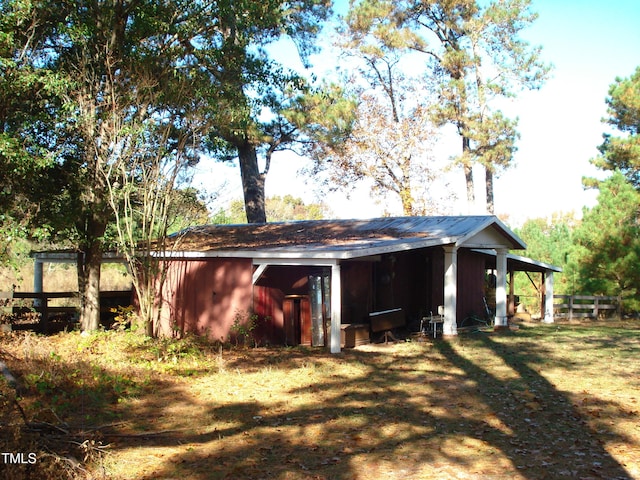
(251, 91)
(606, 257)
(105, 75)
(390, 143)
(474, 53)
(623, 153)
(22, 159)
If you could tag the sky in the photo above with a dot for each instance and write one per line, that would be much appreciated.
(589, 43)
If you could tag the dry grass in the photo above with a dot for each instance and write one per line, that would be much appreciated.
(555, 401)
(61, 277)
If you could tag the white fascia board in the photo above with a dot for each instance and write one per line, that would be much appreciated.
(481, 226)
(295, 262)
(511, 233)
(519, 258)
(328, 256)
(258, 256)
(396, 247)
(546, 266)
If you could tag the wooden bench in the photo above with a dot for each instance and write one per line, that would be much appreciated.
(386, 321)
(354, 334)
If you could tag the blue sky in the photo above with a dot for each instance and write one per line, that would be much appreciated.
(589, 43)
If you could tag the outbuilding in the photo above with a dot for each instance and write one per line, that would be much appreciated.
(311, 282)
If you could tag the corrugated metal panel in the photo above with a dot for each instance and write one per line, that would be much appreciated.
(339, 238)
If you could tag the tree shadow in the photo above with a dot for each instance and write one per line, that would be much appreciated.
(542, 419)
(405, 416)
(410, 411)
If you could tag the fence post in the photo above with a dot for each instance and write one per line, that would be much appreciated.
(44, 312)
(619, 307)
(571, 307)
(37, 282)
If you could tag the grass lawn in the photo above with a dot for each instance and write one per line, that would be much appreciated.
(545, 401)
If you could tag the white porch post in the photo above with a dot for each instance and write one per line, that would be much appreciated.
(501, 288)
(37, 281)
(450, 326)
(548, 300)
(336, 308)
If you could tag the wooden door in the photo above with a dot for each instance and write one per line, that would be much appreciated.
(297, 320)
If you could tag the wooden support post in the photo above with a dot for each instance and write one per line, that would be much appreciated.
(450, 326)
(511, 310)
(501, 288)
(336, 308)
(548, 304)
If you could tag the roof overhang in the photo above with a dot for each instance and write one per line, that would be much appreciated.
(285, 243)
(486, 232)
(517, 263)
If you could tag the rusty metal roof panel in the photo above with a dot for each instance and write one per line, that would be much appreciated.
(336, 238)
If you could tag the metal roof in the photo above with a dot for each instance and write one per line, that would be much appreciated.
(342, 239)
(518, 263)
(314, 240)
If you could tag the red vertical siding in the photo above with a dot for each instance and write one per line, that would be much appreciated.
(268, 307)
(205, 296)
(471, 284)
(357, 291)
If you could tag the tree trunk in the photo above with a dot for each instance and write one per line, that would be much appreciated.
(407, 204)
(489, 187)
(89, 263)
(468, 175)
(252, 184)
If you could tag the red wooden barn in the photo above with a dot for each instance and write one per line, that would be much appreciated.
(333, 282)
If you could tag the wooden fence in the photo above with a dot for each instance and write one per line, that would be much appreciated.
(586, 306)
(20, 304)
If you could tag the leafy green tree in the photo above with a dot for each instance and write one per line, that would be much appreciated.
(278, 209)
(623, 153)
(22, 159)
(251, 92)
(291, 208)
(111, 83)
(549, 240)
(473, 53)
(606, 256)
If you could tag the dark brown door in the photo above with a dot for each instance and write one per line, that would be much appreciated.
(297, 320)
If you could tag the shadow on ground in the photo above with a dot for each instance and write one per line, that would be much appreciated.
(473, 408)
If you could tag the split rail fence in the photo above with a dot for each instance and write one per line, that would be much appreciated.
(21, 304)
(586, 306)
